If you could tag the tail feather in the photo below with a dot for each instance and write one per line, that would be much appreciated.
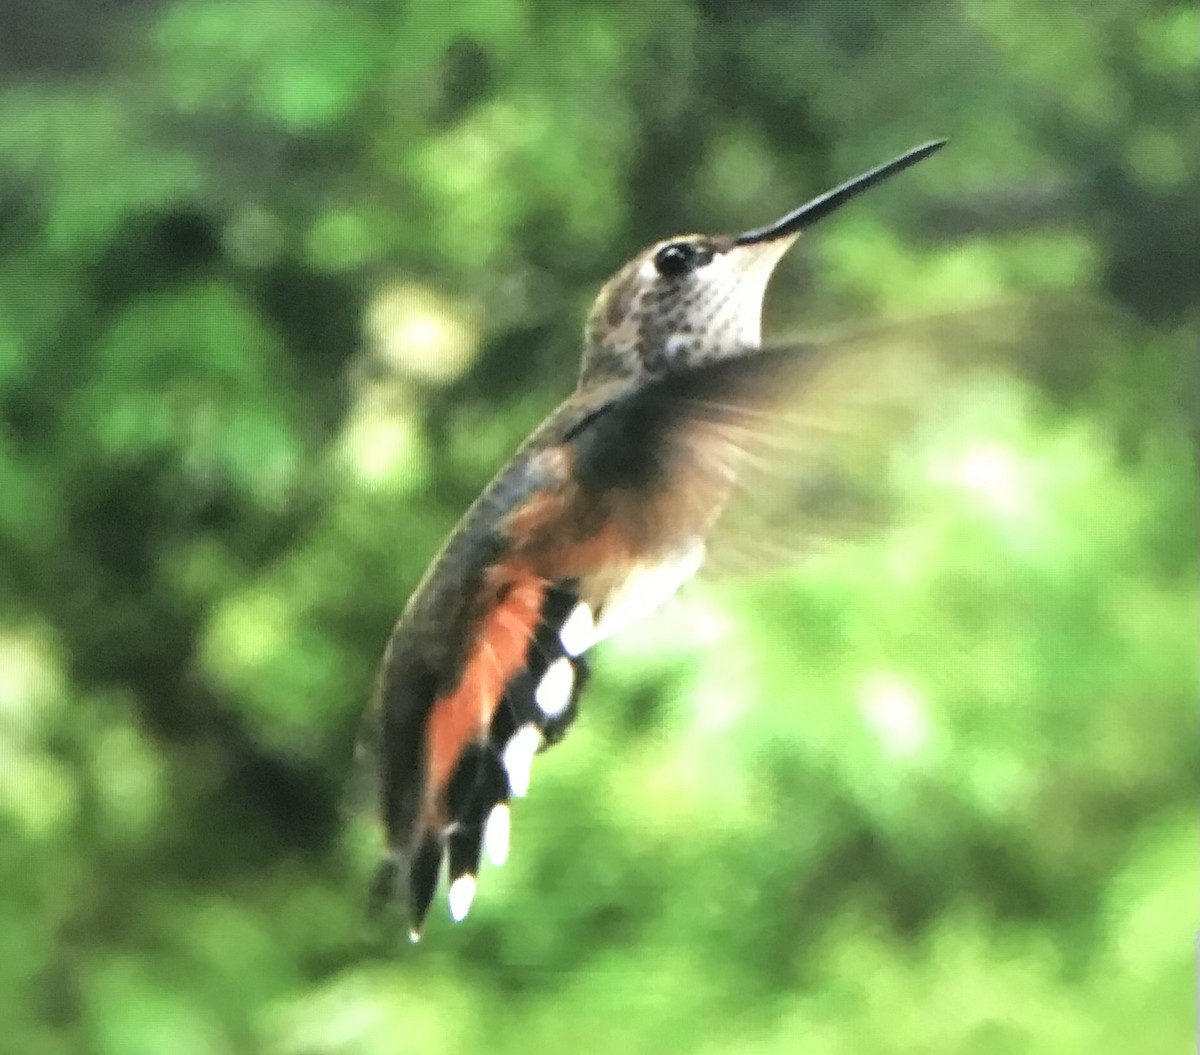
(470, 810)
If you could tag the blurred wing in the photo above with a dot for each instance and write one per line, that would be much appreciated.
(751, 454)
(793, 443)
(814, 444)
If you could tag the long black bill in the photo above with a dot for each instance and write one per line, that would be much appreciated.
(822, 205)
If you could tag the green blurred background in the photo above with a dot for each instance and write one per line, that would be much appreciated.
(282, 282)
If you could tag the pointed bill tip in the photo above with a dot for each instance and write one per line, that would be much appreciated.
(925, 149)
(823, 204)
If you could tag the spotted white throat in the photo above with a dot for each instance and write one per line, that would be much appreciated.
(597, 519)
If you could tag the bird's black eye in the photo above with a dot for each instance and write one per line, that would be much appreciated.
(678, 258)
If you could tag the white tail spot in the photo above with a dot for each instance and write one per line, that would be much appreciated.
(578, 632)
(554, 690)
(518, 757)
(462, 893)
(496, 832)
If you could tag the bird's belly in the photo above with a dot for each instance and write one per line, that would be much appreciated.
(621, 597)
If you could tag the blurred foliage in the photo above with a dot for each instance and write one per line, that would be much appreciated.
(282, 283)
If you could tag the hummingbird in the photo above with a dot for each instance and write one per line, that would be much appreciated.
(597, 519)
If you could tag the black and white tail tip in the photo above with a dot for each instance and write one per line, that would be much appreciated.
(539, 705)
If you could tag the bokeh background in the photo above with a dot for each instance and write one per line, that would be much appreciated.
(282, 282)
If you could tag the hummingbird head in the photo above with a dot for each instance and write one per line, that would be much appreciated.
(698, 297)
